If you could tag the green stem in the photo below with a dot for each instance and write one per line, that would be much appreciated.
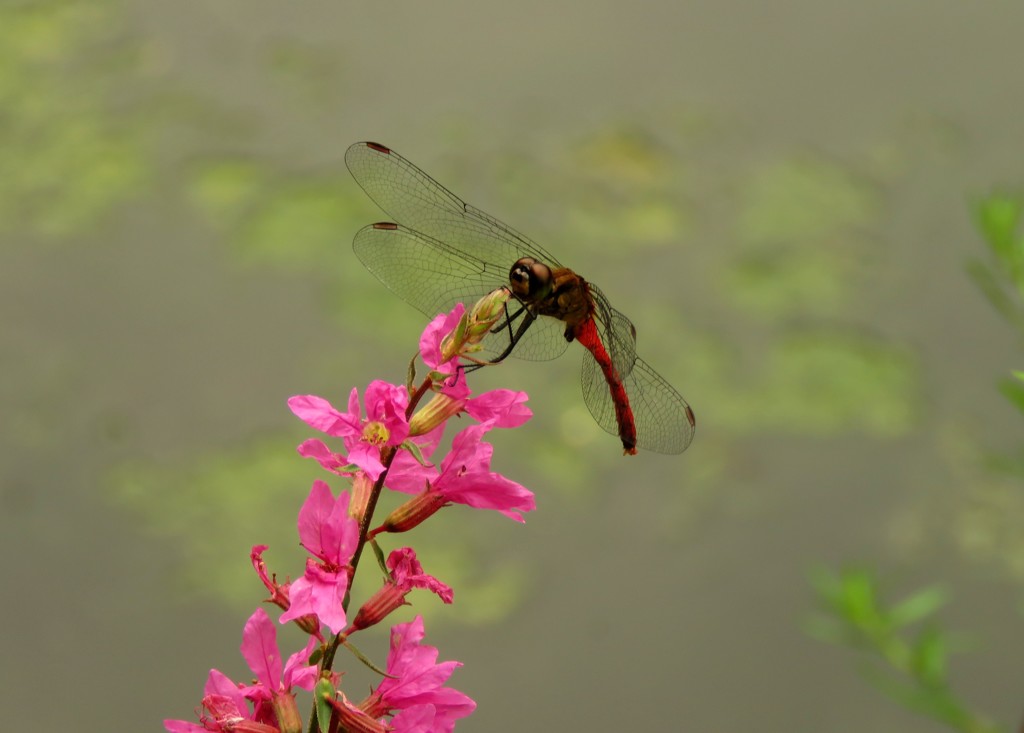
(364, 523)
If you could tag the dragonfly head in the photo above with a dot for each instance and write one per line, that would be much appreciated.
(530, 280)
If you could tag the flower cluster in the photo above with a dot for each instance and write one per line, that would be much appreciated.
(385, 440)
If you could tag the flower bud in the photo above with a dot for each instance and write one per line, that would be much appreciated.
(485, 314)
(439, 409)
(474, 326)
(362, 487)
(387, 599)
(288, 718)
(414, 511)
(453, 343)
(355, 720)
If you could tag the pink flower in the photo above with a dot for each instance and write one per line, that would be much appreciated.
(406, 574)
(273, 682)
(416, 682)
(416, 719)
(465, 478)
(352, 719)
(460, 334)
(405, 461)
(224, 709)
(433, 337)
(385, 425)
(330, 535)
(500, 408)
(278, 591)
(226, 704)
(448, 337)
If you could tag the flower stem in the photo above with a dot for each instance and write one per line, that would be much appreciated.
(387, 458)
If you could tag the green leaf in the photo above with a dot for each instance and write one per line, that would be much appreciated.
(936, 703)
(918, 606)
(998, 218)
(929, 657)
(1013, 391)
(323, 692)
(379, 554)
(316, 656)
(860, 600)
(354, 650)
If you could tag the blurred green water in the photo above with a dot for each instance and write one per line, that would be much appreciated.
(751, 273)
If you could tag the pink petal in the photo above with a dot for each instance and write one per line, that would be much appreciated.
(298, 672)
(416, 719)
(408, 476)
(501, 408)
(451, 705)
(386, 403)
(466, 479)
(259, 648)
(340, 533)
(403, 563)
(354, 412)
(408, 574)
(328, 593)
(320, 414)
(456, 386)
(218, 683)
(418, 680)
(301, 596)
(314, 516)
(317, 450)
(434, 334)
(321, 592)
(367, 457)
(486, 490)
(184, 726)
(435, 586)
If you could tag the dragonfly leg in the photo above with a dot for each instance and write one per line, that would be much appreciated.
(513, 337)
(509, 320)
(528, 319)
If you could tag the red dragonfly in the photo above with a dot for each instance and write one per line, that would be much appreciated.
(443, 251)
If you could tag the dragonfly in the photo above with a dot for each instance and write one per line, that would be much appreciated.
(440, 251)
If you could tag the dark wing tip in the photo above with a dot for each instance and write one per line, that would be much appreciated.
(378, 147)
(385, 225)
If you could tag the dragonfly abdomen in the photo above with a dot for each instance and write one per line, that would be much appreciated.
(586, 334)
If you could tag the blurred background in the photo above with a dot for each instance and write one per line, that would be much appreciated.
(780, 197)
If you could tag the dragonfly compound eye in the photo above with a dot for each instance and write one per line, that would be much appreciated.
(529, 279)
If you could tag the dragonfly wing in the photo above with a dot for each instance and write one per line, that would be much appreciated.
(399, 187)
(432, 276)
(616, 330)
(417, 201)
(422, 271)
(545, 339)
(664, 420)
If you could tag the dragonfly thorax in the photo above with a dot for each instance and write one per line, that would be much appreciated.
(559, 293)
